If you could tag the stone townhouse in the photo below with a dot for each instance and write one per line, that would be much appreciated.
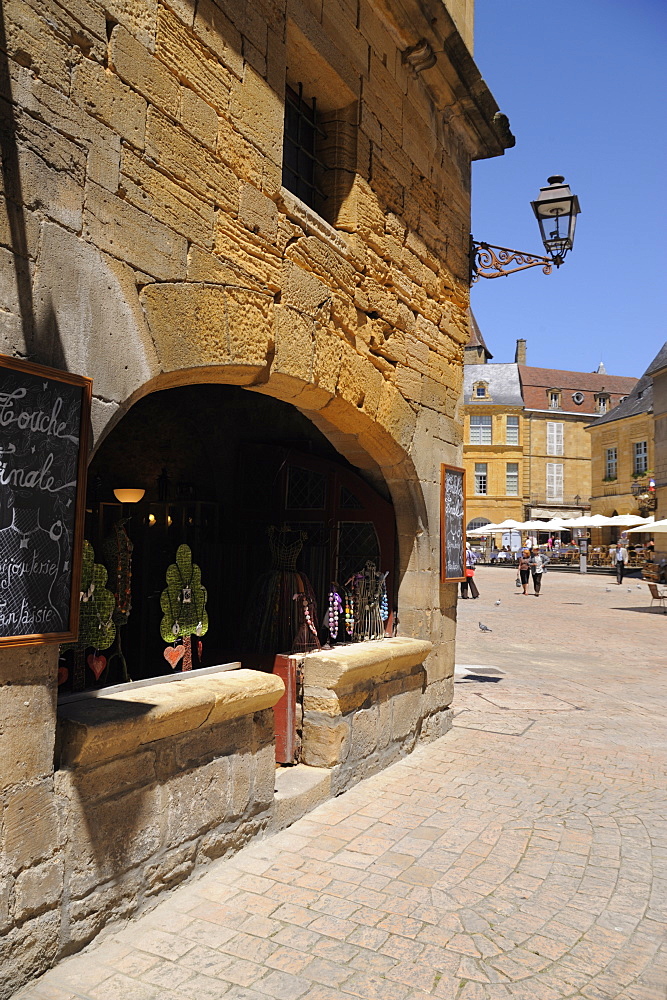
(248, 224)
(526, 449)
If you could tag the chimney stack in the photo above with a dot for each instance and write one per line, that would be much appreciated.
(520, 356)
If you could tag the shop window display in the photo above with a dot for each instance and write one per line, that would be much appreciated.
(278, 523)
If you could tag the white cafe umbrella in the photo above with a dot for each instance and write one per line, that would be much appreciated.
(485, 529)
(627, 520)
(658, 528)
(534, 526)
(555, 524)
(508, 524)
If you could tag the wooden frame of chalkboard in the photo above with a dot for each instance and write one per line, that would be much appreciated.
(452, 524)
(44, 434)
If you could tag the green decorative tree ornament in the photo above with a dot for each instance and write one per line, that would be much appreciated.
(184, 606)
(96, 620)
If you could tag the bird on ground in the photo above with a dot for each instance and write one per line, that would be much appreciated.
(608, 589)
(639, 586)
(484, 628)
(629, 590)
(497, 603)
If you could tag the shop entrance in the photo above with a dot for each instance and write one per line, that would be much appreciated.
(257, 493)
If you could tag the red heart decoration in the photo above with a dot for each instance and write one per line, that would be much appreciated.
(173, 655)
(63, 674)
(97, 664)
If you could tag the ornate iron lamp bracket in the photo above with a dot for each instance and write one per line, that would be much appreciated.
(488, 261)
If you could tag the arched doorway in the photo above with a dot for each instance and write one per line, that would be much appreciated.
(221, 466)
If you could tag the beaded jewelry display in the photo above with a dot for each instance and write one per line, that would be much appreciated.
(335, 610)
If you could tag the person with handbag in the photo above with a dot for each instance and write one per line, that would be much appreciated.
(523, 570)
(537, 568)
(469, 581)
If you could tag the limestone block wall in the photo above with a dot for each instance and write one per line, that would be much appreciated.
(150, 783)
(364, 706)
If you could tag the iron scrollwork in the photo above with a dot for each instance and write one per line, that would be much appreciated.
(488, 261)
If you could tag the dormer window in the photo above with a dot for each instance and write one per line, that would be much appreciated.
(554, 399)
(480, 390)
(602, 402)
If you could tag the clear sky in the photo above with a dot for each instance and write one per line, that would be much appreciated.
(584, 85)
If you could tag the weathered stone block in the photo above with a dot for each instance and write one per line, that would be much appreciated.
(169, 870)
(324, 744)
(166, 201)
(26, 748)
(250, 325)
(30, 825)
(38, 889)
(294, 344)
(405, 712)
(190, 163)
(258, 113)
(258, 212)
(142, 71)
(183, 54)
(265, 777)
(217, 32)
(109, 837)
(199, 117)
(240, 782)
(197, 800)
(364, 739)
(49, 190)
(102, 95)
(133, 236)
(28, 950)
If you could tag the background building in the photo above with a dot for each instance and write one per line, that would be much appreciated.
(248, 224)
(527, 454)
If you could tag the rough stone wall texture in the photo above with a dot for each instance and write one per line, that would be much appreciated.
(140, 823)
(145, 241)
(31, 862)
(148, 241)
(364, 727)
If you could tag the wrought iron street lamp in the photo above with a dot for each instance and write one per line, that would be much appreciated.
(556, 210)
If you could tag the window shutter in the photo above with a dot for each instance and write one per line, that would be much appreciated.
(558, 428)
(551, 437)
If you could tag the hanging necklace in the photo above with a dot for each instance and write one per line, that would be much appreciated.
(335, 608)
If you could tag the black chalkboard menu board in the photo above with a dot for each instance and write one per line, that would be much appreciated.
(44, 420)
(452, 524)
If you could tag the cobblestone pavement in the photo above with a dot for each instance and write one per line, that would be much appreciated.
(521, 857)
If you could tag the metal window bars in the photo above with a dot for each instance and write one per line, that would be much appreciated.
(300, 161)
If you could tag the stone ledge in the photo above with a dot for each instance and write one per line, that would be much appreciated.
(100, 728)
(346, 666)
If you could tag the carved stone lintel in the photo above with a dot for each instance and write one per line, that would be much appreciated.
(419, 57)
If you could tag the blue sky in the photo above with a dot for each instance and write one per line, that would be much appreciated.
(584, 84)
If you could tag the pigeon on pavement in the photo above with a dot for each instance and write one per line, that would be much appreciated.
(484, 628)
(497, 603)
(608, 589)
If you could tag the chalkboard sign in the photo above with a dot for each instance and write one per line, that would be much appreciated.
(44, 420)
(452, 524)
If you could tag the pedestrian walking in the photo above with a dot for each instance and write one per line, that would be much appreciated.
(469, 581)
(523, 569)
(620, 561)
(537, 568)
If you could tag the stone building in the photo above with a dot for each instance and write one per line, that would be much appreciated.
(526, 451)
(626, 452)
(658, 372)
(248, 224)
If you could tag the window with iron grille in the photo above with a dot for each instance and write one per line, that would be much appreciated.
(301, 164)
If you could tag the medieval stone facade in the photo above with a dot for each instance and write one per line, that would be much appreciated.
(150, 239)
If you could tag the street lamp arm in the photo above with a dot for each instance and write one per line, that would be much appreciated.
(489, 261)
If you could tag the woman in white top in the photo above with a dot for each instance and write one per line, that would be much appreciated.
(536, 568)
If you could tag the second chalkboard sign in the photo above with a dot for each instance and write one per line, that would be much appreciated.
(44, 419)
(452, 524)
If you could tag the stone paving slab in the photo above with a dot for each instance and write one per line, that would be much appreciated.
(521, 857)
